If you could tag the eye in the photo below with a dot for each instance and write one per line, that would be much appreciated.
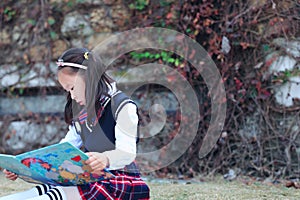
(72, 88)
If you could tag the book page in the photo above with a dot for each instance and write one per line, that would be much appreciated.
(60, 163)
(10, 163)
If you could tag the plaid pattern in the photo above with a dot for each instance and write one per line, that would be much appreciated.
(83, 113)
(82, 116)
(124, 186)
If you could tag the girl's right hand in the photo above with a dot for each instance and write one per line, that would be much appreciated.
(10, 175)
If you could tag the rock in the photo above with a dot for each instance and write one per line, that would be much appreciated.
(291, 47)
(225, 45)
(38, 76)
(110, 2)
(24, 135)
(250, 130)
(5, 37)
(38, 53)
(75, 25)
(286, 91)
(59, 46)
(281, 64)
(120, 15)
(101, 21)
(96, 39)
(231, 175)
(28, 104)
(9, 80)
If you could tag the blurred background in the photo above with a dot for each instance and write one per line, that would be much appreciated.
(254, 43)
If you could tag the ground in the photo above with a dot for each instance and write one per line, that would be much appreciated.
(217, 189)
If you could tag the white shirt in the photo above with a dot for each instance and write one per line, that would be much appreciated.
(125, 133)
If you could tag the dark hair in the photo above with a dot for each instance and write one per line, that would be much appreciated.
(97, 82)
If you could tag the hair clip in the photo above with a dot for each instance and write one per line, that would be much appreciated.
(86, 55)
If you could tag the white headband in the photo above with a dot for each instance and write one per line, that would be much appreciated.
(62, 63)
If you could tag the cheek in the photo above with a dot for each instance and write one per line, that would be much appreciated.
(83, 98)
(82, 90)
(60, 79)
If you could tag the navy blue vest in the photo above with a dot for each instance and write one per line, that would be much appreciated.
(101, 137)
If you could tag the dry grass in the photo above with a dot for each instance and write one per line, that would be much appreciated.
(9, 187)
(222, 190)
(212, 190)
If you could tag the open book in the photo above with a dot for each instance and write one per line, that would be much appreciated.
(58, 164)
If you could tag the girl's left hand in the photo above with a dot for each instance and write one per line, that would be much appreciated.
(10, 175)
(97, 161)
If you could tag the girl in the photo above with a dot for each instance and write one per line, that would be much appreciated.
(103, 121)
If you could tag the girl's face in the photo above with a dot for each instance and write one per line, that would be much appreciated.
(73, 83)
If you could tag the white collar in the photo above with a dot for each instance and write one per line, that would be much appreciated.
(112, 88)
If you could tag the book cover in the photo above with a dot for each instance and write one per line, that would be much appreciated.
(58, 164)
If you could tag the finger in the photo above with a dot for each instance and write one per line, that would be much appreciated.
(5, 171)
(98, 172)
(89, 154)
(91, 158)
(96, 164)
(10, 173)
(96, 161)
(11, 176)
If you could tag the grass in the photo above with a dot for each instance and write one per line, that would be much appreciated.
(222, 190)
(218, 189)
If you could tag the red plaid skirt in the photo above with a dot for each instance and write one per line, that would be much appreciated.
(122, 187)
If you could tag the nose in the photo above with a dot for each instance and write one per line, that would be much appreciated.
(72, 95)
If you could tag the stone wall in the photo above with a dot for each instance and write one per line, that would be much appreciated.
(35, 33)
(33, 36)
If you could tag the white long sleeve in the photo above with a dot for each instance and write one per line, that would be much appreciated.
(72, 137)
(126, 135)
